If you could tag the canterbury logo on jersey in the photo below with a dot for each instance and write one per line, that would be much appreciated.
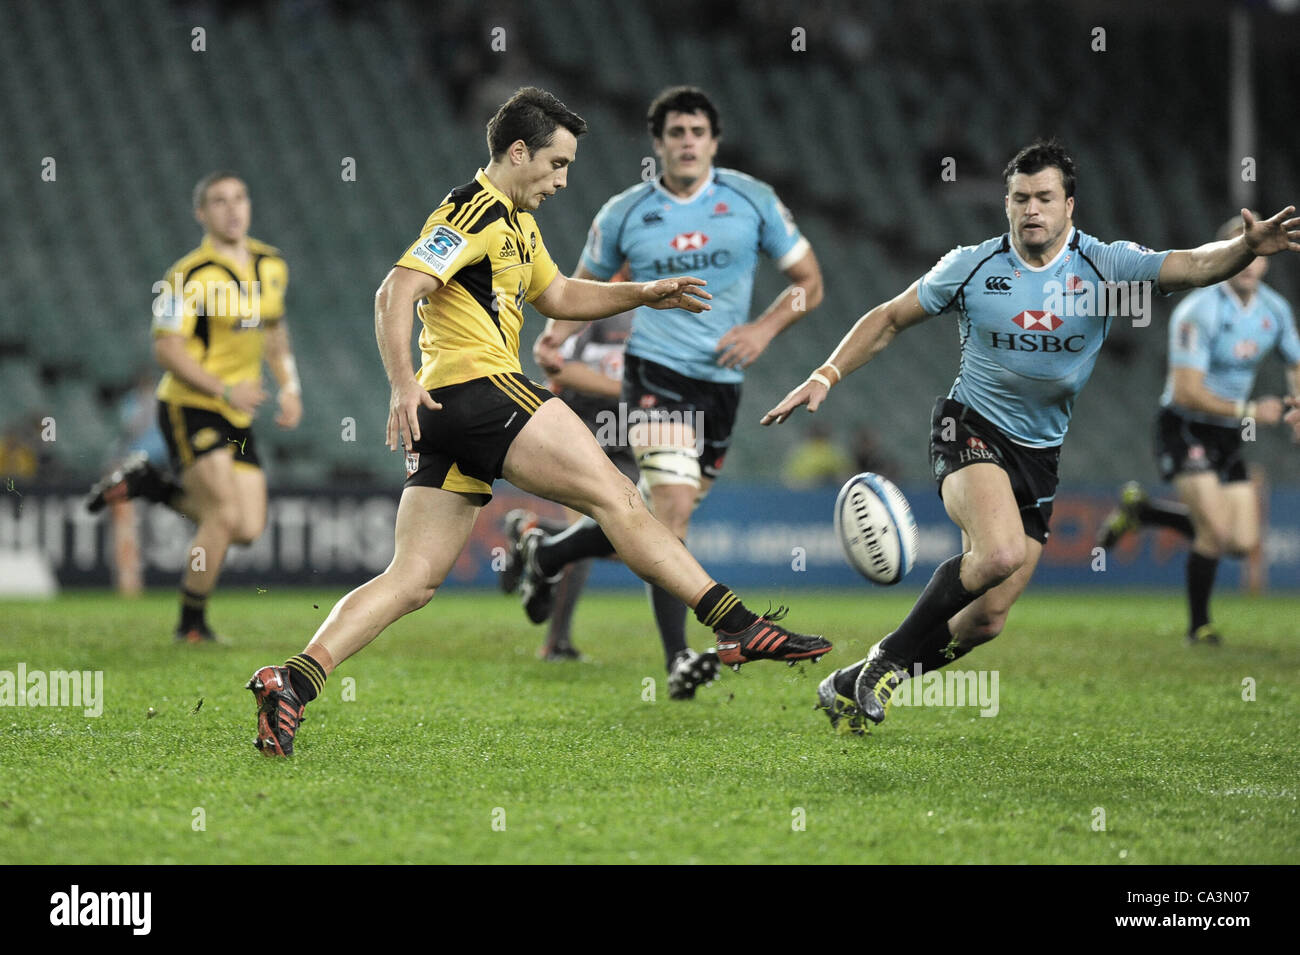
(998, 283)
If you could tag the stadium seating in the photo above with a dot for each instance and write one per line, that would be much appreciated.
(285, 93)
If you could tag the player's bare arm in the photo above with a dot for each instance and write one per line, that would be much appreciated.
(279, 356)
(1217, 261)
(585, 301)
(742, 344)
(394, 316)
(1190, 393)
(579, 377)
(546, 350)
(170, 353)
(1291, 418)
(868, 338)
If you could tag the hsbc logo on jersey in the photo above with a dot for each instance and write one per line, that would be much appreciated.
(687, 241)
(1036, 321)
(1036, 336)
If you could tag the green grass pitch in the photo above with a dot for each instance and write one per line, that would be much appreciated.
(459, 746)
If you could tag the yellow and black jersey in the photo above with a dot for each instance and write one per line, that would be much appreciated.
(222, 309)
(491, 259)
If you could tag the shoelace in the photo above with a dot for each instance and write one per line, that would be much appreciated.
(776, 615)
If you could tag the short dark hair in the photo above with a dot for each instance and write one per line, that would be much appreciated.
(211, 179)
(1036, 157)
(681, 99)
(532, 115)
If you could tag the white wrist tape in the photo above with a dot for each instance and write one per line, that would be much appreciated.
(821, 380)
(293, 386)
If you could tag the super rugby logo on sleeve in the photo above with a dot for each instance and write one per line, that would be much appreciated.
(438, 250)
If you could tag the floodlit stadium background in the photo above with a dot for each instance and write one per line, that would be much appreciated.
(849, 110)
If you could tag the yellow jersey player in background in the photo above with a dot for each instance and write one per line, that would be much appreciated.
(217, 313)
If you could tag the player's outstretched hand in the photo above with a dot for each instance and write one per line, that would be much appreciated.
(403, 422)
(683, 292)
(810, 393)
(1269, 236)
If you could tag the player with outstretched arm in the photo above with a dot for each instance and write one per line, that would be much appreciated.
(470, 416)
(1218, 336)
(683, 373)
(996, 438)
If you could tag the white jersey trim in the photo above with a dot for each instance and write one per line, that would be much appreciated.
(795, 254)
(705, 181)
(1055, 259)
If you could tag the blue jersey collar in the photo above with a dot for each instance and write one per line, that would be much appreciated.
(1069, 244)
(705, 181)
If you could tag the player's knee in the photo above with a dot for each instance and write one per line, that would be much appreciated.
(1212, 542)
(999, 563)
(1241, 545)
(414, 595)
(249, 530)
(419, 596)
(224, 516)
(673, 469)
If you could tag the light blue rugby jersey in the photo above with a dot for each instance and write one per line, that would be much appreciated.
(1030, 336)
(1213, 332)
(716, 235)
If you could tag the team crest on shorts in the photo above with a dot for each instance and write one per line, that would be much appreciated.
(412, 462)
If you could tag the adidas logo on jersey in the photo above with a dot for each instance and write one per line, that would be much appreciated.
(507, 250)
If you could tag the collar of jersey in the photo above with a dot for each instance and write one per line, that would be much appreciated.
(1069, 241)
(707, 180)
(1236, 300)
(481, 178)
(207, 246)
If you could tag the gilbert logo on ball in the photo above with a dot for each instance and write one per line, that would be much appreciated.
(876, 528)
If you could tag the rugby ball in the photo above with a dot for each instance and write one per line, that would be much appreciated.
(876, 528)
